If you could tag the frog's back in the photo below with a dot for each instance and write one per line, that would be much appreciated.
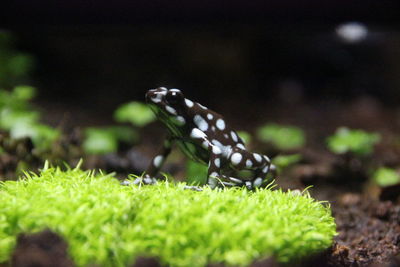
(215, 128)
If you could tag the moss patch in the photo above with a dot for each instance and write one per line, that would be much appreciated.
(110, 224)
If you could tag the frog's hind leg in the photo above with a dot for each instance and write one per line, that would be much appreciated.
(261, 165)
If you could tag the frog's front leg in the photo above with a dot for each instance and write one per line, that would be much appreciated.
(155, 164)
(158, 161)
(261, 165)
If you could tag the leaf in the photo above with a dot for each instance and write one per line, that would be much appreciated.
(284, 161)
(137, 113)
(359, 142)
(98, 141)
(386, 177)
(281, 136)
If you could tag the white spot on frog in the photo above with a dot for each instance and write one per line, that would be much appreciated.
(234, 136)
(257, 157)
(220, 124)
(200, 105)
(266, 168)
(217, 163)
(216, 150)
(257, 182)
(170, 110)
(200, 123)
(236, 158)
(189, 103)
(196, 133)
(210, 116)
(180, 120)
(158, 160)
(249, 164)
(241, 146)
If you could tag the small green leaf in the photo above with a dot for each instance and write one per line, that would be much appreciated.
(386, 177)
(105, 140)
(20, 64)
(284, 161)
(45, 136)
(124, 133)
(359, 142)
(283, 137)
(24, 92)
(137, 113)
(98, 141)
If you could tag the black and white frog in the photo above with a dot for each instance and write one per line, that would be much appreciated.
(204, 136)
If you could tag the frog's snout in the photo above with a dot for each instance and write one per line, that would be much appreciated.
(150, 94)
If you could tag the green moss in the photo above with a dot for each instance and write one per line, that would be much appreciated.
(110, 224)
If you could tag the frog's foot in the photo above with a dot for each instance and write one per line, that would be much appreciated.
(147, 180)
(193, 187)
(223, 181)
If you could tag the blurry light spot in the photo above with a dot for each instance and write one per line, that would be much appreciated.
(352, 32)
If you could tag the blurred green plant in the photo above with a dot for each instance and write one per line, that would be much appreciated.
(136, 113)
(196, 173)
(21, 120)
(105, 140)
(357, 142)
(284, 161)
(282, 137)
(106, 224)
(386, 177)
(14, 65)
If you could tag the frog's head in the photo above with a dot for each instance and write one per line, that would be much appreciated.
(168, 105)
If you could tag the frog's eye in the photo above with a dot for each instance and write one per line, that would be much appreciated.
(174, 96)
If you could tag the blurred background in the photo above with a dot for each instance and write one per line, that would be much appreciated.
(241, 58)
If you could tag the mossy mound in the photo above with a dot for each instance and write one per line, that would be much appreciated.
(110, 225)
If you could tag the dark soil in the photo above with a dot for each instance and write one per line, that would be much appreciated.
(44, 249)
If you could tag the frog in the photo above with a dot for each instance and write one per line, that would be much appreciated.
(204, 136)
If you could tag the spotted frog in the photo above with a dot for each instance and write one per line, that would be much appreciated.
(204, 136)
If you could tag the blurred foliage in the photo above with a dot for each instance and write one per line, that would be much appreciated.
(284, 161)
(14, 66)
(386, 177)
(358, 142)
(196, 173)
(105, 140)
(137, 113)
(246, 136)
(282, 137)
(21, 120)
